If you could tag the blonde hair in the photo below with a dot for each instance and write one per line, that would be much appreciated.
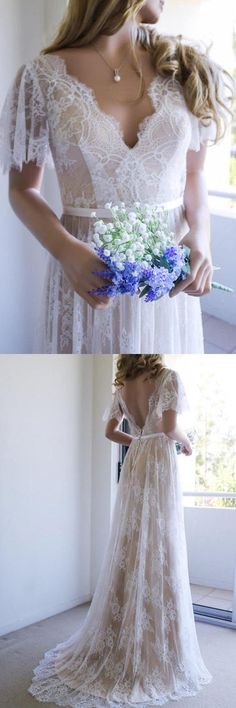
(208, 88)
(129, 366)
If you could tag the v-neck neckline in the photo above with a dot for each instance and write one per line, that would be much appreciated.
(74, 80)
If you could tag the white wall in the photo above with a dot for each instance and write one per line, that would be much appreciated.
(57, 483)
(210, 534)
(104, 467)
(218, 303)
(25, 28)
(45, 478)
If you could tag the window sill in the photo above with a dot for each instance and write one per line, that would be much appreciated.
(226, 212)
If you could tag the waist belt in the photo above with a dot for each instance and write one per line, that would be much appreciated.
(146, 437)
(107, 214)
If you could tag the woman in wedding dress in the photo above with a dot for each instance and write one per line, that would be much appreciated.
(124, 114)
(138, 644)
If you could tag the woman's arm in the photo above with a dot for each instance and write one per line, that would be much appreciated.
(172, 430)
(198, 218)
(76, 257)
(113, 433)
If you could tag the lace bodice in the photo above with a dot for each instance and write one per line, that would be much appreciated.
(168, 394)
(53, 118)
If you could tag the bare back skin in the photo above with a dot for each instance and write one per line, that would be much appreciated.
(85, 64)
(136, 394)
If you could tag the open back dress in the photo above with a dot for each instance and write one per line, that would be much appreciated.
(138, 645)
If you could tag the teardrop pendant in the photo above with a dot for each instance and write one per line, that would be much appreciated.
(117, 76)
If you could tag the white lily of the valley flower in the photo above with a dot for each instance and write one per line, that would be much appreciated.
(107, 252)
(100, 228)
(97, 240)
(93, 213)
(108, 205)
(142, 228)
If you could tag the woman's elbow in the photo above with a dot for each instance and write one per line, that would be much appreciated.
(107, 435)
(168, 430)
(109, 432)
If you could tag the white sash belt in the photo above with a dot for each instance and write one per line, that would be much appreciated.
(150, 435)
(106, 213)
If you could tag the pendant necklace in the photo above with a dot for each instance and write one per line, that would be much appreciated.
(117, 76)
(116, 70)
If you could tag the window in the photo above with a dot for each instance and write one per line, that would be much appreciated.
(215, 25)
(210, 474)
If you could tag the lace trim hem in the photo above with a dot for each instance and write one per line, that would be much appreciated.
(47, 687)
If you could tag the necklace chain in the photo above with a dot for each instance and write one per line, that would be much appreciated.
(115, 70)
(117, 76)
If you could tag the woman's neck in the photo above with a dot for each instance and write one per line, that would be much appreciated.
(116, 45)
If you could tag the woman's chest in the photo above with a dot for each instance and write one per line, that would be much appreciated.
(159, 124)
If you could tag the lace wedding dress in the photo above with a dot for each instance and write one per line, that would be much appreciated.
(138, 645)
(53, 118)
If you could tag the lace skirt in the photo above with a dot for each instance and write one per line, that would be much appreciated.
(138, 644)
(68, 325)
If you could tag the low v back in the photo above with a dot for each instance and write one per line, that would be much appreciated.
(167, 393)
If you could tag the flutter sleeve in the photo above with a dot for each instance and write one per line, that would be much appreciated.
(201, 132)
(115, 410)
(172, 395)
(24, 131)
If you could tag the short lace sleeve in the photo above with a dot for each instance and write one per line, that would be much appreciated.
(172, 395)
(202, 133)
(115, 410)
(24, 133)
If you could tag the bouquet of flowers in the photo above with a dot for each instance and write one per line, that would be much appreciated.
(140, 253)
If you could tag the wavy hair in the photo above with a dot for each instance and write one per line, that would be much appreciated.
(129, 366)
(207, 87)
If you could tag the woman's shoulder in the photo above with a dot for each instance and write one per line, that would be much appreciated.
(30, 68)
(167, 377)
(166, 372)
(41, 65)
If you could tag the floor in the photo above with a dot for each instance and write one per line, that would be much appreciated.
(219, 336)
(21, 651)
(212, 597)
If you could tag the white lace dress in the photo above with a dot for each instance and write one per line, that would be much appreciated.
(138, 645)
(53, 118)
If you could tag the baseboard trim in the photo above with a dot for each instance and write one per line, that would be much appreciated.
(43, 613)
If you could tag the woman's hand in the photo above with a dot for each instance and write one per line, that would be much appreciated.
(186, 449)
(198, 282)
(79, 262)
